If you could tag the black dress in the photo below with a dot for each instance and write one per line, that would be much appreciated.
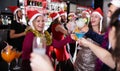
(19, 28)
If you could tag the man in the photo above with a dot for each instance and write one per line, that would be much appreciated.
(113, 5)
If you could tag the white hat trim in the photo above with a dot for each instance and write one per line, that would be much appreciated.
(116, 3)
(95, 12)
(33, 17)
(72, 14)
(63, 14)
(56, 16)
(85, 12)
(16, 11)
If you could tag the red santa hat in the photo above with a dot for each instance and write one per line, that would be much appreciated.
(87, 11)
(116, 3)
(32, 15)
(14, 9)
(54, 15)
(61, 13)
(100, 13)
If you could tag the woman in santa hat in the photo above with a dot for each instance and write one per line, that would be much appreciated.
(111, 59)
(71, 23)
(36, 22)
(63, 15)
(86, 60)
(59, 43)
(17, 28)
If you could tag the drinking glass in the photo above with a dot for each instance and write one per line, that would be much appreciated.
(80, 35)
(39, 45)
(8, 54)
(18, 54)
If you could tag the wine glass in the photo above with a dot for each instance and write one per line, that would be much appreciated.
(39, 45)
(18, 54)
(8, 54)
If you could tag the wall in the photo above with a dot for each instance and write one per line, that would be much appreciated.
(5, 3)
(105, 11)
(105, 6)
(73, 7)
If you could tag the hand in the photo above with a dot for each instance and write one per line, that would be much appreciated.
(84, 29)
(7, 46)
(70, 26)
(27, 28)
(83, 42)
(74, 37)
(40, 62)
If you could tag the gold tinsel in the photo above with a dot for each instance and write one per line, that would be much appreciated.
(46, 35)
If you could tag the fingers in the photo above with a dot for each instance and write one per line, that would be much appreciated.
(74, 37)
(40, 62)
(83, 42)
(37, 57)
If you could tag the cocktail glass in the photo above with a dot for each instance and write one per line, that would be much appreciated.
(18, 54)
(8, 54)
(80, 35)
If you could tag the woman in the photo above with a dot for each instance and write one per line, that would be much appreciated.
(111, 59)
(17, 30)
(71, 25)
(36, 22)
(58, 34)
(86, 60)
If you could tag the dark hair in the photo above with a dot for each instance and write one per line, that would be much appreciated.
(56, 21)
(115, 22)
(109, 4)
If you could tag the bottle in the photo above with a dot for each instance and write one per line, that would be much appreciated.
(6, 20)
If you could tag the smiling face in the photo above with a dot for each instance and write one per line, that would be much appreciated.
(39, 23)
(95, 19)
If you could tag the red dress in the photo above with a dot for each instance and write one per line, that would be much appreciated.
(61, 52)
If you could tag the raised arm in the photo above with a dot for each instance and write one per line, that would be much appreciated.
(101, 53)
(61, 29)
(63, 42)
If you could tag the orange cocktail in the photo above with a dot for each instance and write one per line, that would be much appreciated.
(8, 54)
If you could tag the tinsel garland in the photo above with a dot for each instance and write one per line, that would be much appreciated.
(45, 34)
